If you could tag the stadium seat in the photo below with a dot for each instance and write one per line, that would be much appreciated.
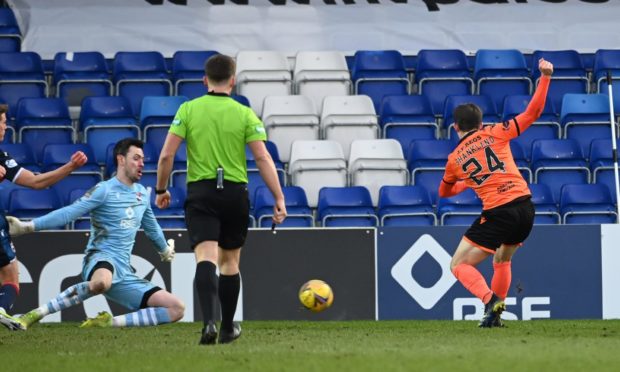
(347, 118)
(545, 206)
(377, 163)
(546, 127)
(107, 120)
(188, 71)
(178, 176)
(346, 206)
(28, 203)
(261, 74)
(41, 121)
(461, 209)
(83, 222)
(501, 72)
(585, 117)
(290, 118)
(317, 164)
(602, 165)
(21, 76)
(569, 74)
(587, 204)
(6, 188)
(140, 74)
(87, 176)
(299, 213)
(558, 162)
(255, 180)
(379, 73)
(408, 118)
(318, 74)
(441, 73)
(241, 99)
(10, 35)
(405, 206)
(23, 155)
(521, 161)
(489, 110)
(606, 60)
(426, 160)
(79, 75)
(156, 115)
(173, 216)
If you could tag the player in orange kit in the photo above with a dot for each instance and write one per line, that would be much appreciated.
(483, 161)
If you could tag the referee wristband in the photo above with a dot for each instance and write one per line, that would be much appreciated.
(159, 192)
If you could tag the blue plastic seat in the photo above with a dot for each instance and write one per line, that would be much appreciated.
(346, 206)
(79, 75)
(606, 60)
(521, 161)
(442, 73)
(107, 120)
(461, 209)
(241, 99)
(379, 73)
(602, 165)
(21, 75)
(501, 72)
(585, 117)
(188, 70)
(83, 222)
(587, 204)
(558, 162)
(41, 121)
(426, 161)
(569, 74)
(177, 201)
(546, 127)
(545, 206)
(408, 118)
(10, 35)
(486, 104)
(140, 74)
(23, 155)
(156, 115)
(405, 206)
(28, 203)
(299, 213)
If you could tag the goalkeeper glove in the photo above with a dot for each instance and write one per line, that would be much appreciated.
(18, 227)
(168, 254)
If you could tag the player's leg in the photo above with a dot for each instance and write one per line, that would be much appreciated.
(99, 281)
(9, 290)
(502, 271)
(463, 266)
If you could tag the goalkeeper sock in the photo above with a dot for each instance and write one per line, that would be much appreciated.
(206, 285)
(502, 275)
(228, 288)
(473, 281)
(71, 296)
(149, 316)
(8, 294)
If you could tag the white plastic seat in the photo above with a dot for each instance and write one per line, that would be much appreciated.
(348, 118)
(377, 163)
(261, 74)
(290, 118)
(317, 164)
(319, 74)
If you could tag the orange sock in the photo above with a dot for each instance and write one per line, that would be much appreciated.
(502, 275)
(473, 281)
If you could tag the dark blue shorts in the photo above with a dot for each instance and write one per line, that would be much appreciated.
(7, 251)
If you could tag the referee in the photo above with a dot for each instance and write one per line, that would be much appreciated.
(217, 129)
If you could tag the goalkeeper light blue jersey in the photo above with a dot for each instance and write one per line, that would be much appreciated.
(116, 211)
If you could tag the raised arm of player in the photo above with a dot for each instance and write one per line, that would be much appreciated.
(44, 180)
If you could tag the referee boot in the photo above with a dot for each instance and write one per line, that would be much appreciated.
(492, 311)
(227, 337)
(209, 334)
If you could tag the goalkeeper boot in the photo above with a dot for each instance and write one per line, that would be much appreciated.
(10, 322)
(30, 318)
(209, 334)
(102, 320)
(492, 311)
(227, 337)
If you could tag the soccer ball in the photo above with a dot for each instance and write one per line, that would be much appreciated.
(316, 295)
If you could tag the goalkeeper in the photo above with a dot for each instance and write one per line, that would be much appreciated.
(118, 207)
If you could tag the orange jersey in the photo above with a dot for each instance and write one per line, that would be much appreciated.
(483, 159)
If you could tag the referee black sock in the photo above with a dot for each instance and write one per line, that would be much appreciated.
(206, 285)
(228, 290)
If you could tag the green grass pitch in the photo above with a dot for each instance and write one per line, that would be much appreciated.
(550, 345)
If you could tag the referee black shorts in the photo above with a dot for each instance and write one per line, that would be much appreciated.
(510, 223)
(217, 215)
